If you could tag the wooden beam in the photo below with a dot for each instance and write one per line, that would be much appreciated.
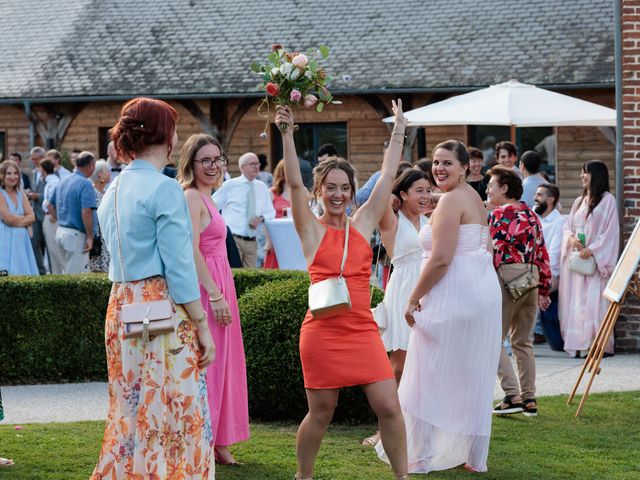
(242, 108)
(205, 123)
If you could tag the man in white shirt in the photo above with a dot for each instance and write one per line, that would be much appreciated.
(55, 156)
(530, 166)
(545, 202)
(245, 203)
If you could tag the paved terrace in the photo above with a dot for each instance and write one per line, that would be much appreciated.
(556, 375)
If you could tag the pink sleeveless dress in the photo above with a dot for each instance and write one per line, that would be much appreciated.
(226, 376)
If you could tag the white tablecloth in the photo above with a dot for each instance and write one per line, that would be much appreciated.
(286, 244)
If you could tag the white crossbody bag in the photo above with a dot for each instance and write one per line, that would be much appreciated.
(331, 296)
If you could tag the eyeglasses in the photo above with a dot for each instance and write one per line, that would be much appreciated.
(252, 164)
(210, 162)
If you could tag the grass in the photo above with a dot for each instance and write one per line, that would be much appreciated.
(603, 444)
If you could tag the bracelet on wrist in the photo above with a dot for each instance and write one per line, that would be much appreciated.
(413, 301)
(201, 318)
(217, 299)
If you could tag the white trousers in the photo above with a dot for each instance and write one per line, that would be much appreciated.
(55, 254)
(71, 242)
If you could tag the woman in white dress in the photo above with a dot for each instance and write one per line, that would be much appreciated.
(447, 385)
(399, 232)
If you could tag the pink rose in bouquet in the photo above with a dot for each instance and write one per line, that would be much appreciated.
(300, 60)
(310, 100)
(295, 95)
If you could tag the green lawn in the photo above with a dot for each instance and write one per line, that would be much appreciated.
(603, 444)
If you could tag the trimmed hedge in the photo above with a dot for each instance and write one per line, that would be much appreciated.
(52, 331)
(52, 328)
(247, 279)
(271, 318)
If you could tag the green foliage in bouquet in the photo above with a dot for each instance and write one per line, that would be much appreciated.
(294, 79)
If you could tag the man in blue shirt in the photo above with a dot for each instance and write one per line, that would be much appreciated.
(73, 203)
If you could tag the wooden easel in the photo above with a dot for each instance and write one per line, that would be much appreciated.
(592, 362)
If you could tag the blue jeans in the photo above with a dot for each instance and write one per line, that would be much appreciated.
(551, 324)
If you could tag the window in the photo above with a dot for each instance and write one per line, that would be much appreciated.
(103, 141)
(309, 137)
(485, 138)
(3, 147)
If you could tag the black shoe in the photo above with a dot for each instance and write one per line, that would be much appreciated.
(539, 339)
(530, 411)
(507, 407)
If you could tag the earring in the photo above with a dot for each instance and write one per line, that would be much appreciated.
(461, 179)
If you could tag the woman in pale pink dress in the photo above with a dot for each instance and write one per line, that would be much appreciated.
(592, 230)
(200, 170)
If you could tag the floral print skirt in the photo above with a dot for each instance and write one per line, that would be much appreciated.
(158, 425)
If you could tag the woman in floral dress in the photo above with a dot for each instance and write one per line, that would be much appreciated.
(158, 425)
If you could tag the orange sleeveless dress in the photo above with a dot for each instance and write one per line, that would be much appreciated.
(345, 349)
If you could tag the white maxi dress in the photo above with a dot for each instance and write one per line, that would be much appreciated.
(406, 261)
(446, 391)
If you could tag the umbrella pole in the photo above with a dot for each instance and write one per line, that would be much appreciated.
(513, 134)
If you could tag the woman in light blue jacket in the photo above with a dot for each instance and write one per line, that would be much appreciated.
(158, 415)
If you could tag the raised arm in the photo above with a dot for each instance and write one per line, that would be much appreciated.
(366, 218)
(307, 226)
(388, 227)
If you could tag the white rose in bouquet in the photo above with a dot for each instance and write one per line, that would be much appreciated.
(275, 71)
(294, 74)
(286, 68)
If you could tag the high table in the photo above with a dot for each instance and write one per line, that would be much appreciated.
(286, 244)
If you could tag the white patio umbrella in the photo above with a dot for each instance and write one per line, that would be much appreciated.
(514, 104)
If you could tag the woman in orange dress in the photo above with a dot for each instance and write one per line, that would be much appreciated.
(344, 349)
(281, 198)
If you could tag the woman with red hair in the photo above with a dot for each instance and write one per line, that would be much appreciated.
(158, 423)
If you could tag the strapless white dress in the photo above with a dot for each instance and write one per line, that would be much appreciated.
(446, 391)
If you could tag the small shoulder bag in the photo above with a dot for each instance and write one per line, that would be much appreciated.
(141, 319)
(331, 296)
(521, 285)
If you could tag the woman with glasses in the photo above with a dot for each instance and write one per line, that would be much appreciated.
(200, 171)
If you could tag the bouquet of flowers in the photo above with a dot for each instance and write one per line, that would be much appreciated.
(294, 79)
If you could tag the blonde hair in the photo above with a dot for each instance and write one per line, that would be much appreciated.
(279, 180)
(186, 175)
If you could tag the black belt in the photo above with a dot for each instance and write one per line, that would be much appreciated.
(246, 239)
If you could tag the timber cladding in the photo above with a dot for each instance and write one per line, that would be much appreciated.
(365, 130)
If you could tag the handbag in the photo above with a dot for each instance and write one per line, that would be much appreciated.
(141, 319)
(331, 296)
(519, 286)
(582, 266)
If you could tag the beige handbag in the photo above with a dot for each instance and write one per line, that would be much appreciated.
(521, 285)
(141, 319)
(331, 296)
(582, 266)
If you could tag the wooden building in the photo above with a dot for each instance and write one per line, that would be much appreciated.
(67, 67)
